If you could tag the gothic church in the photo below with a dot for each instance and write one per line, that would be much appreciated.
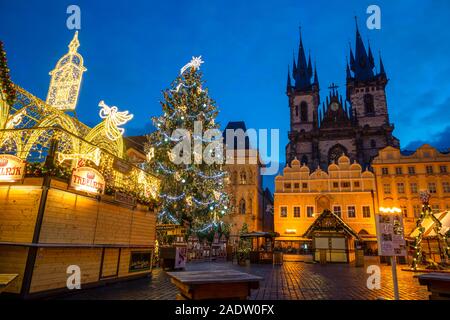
(357, 126)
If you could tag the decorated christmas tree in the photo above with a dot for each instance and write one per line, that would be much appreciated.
(186, 152)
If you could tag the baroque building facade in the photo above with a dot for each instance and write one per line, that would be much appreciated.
(357, 126)
(400, 177)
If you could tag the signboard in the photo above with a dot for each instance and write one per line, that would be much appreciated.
(12, 168)
(390, 234)
(88, 180)
(180, 257)
(124, 198)
(121, 166)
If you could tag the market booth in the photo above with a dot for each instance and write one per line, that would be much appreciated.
(332, 239)
(71, 204)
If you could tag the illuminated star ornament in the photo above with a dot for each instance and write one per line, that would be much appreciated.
(194, 64)
(113, 119)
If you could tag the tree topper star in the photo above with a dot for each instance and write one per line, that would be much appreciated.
(194, 63)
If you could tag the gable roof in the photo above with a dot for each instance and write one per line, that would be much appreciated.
(337, 225)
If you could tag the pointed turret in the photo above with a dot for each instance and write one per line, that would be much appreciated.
(349, 74)
(382, 71)
(289, 84)
(310, 71)
(316, 76)
(371, 60)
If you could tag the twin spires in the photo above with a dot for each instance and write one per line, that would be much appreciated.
(362, 63)
(302, 71)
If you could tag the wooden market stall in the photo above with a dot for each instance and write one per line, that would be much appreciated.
(71, 204)
(262, 246)
(332, 239)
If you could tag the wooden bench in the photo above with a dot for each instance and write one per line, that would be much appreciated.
(438, 284)
(217, 284)
(6, 280)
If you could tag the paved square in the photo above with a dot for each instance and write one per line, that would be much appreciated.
(291, 281)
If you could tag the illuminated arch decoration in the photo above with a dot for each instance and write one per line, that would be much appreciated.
(66, 79)
(33, 129)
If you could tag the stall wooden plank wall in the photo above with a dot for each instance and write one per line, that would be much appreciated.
(98, 236)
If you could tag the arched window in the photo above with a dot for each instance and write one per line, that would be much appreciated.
(243, 178)
(296, 111)
(369, 107)
(242, 206)
(304, 111)
(305, 160)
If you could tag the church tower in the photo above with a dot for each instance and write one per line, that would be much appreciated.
(366, 93)
(303, 94)
(66, 79)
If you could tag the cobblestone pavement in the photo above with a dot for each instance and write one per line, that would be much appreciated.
(292, 280)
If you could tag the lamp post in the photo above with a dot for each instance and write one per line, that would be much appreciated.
(393, 256)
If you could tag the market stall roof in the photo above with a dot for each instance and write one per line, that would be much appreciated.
(328, 221)
(287, 238)
(428, 225)
(260, 235)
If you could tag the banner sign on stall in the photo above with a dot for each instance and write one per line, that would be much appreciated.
(88, 180)
(12, 168)
(390, 234)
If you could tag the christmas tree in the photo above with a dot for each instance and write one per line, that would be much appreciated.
(186, 152)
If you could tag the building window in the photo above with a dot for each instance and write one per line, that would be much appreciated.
(398, 170)
(432, 187)
(411, 170)
(404, 211)
(387, 188)
(296, 185)
(283, 212)
(429, 169)
(304, 185)
(287, 185)
(446, 187)
(242, 206)
(369, 104)
(435, 208)
(356, 184)
(310, 211)
(296, 212)
(335, 185)
(243, 178)
(384, 171)
(345, 184)
(337, 211)
(443, 169)
(413, 188)
(366, 211)
(400, 187)
(304, 111)
(351, 211)
(296, 111)
(417, 211)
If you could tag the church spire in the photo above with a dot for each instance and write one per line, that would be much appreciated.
(303, 72)
(362, 63)
(316, 76)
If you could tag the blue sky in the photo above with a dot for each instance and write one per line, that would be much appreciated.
(133, 51)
